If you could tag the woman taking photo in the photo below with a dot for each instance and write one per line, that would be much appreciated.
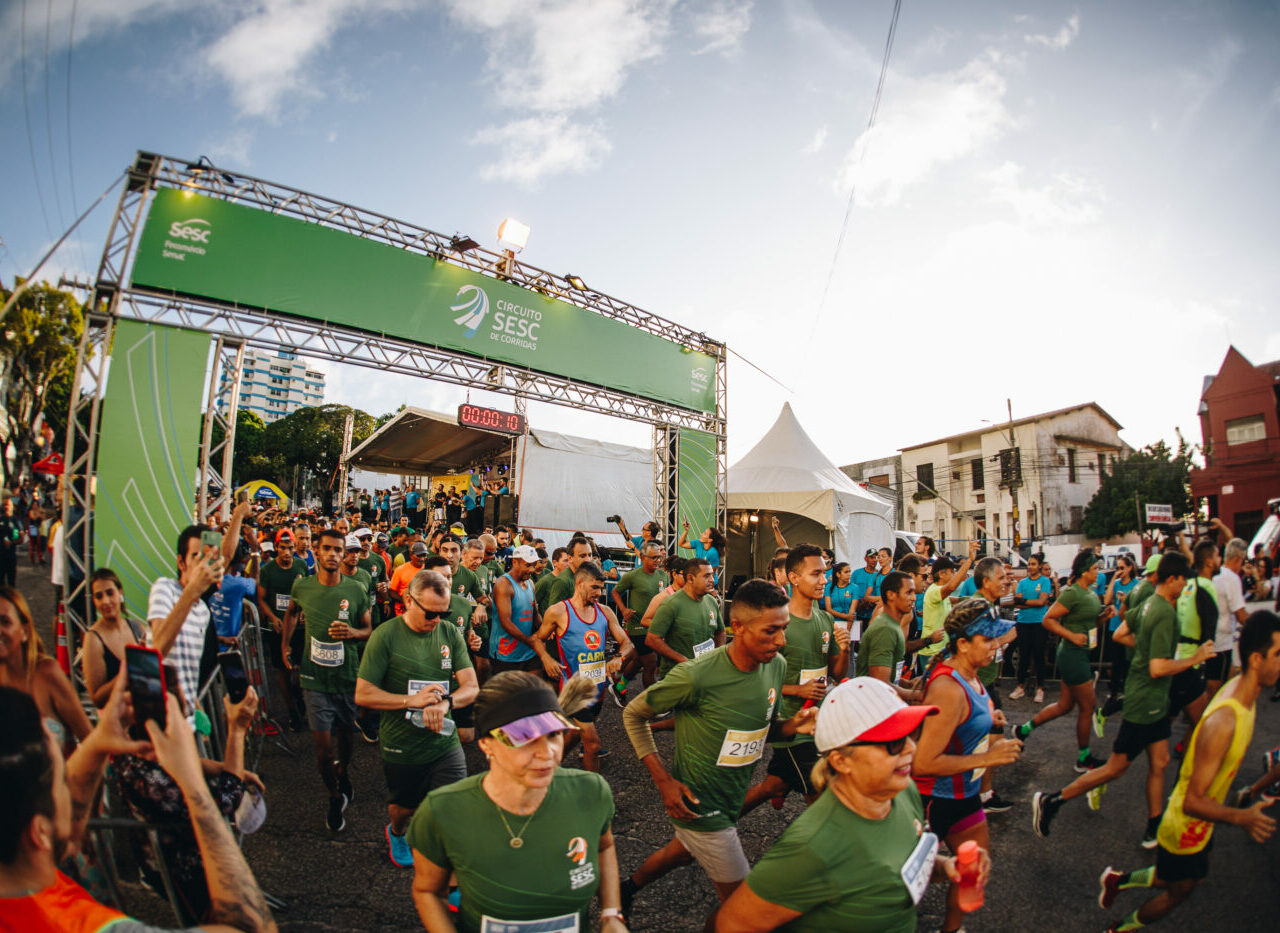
(839, 598)
(955, 748)
(527, 839)
(1074, 619)
(859, 857)
(109, 635)
(709, 546)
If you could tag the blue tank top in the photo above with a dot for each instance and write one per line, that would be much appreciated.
(582, 648)
(971, 737)
(504, 646)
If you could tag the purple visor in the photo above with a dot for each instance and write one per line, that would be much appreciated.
(523, 731)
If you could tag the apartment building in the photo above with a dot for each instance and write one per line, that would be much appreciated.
(273, 385)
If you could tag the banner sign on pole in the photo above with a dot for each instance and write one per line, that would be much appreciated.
(1159, 514)
(215, 249)
(697, 464)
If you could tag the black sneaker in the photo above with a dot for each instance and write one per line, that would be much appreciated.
(602, 753)
(335, 820)
(996, 804)
(368, 730)
(1043, 809)
(628, 891)
(618, 694)
(1114, 704)
(346, 790)
(1088, 763)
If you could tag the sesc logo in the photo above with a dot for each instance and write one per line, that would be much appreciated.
(474, 305)
(195, 230)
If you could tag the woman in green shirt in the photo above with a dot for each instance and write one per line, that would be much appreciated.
(859, 859)
(1075, 618)
(479, 828)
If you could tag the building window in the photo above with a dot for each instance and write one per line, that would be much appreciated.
(924, 481)
(880, 479)
(975, 470)
(1246, 430)
(1071, 466)
(1077, 518)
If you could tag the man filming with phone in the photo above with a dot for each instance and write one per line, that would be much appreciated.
(176, 609)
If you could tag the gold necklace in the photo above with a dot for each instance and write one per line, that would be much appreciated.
(516, 840)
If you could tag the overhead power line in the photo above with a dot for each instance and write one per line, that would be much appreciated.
(26, 111)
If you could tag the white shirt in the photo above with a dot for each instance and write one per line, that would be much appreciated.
(1230, 598)
(58, 560)
(189, 645)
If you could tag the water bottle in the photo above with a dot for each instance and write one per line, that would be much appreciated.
(449, 728)
(967, 857)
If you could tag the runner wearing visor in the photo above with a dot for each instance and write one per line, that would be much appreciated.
(531, 843)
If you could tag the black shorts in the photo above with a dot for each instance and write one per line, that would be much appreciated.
(1185, 689)
(946, 815)
(1218, 668)
(1134, 738)
(638, 641)
(793, 764)
(407, 784)
(590, 714)
(271, 638)
(533, 665)
(1171, 867)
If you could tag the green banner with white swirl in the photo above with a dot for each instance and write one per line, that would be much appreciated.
(209, 248)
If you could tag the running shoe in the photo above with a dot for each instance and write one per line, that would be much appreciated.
(1149, 841)
(398, 849)
(1022, 731)
(368, 730)
(1109, 887)
(1114, 704)
(996, 804)
(1180, 750)
(1099, 722)
(603, 753)
(1088, 763)
(1018, 693)
(335, 820)
(1094, 797)
(345, 789)
(1039, 694)
(1043, 809)
(627, 891)
(619, 694)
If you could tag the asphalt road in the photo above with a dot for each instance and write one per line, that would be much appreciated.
(345, 881)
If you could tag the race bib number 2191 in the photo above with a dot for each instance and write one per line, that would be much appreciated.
(741, 747)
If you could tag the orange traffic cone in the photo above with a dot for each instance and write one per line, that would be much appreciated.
(60, 631)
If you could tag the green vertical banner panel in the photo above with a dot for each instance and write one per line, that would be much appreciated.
(696, 462)
(148, 453)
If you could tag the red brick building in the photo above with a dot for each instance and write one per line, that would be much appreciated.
(1240, 427)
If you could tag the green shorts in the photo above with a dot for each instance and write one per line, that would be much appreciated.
(1073, 665)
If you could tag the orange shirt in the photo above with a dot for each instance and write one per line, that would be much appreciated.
(63, 907)
(400, 579)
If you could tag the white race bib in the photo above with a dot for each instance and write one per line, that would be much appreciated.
(593, 671)
(703, 647)
(282, 602)
(917, 870)
(415, 715)
(741, 747)
(327, 653)
(1093, 638)
(566, 924)
(812, 673)
(981, 749)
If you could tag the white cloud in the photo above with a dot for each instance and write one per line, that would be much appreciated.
(722, 25)
(541, 145)
(1059, 40)
(231, 150)
(1194, 86)
(1066, 200)
(818, 141)
(924, 123)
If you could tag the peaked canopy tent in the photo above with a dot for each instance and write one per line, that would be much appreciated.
(787, 476)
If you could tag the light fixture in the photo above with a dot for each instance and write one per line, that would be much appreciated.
(576, 281)
(461, 243)
(753, 518)
(513, 234)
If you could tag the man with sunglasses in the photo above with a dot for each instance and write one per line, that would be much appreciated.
(416, 672)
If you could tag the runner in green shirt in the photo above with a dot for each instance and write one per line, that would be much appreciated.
(527, 839)
(726, 705)
(275, 582)
(688, 623)
(336, 613)
(416, 672)
(817, 654)
(632, 596)
(542, 584)
(561, 587)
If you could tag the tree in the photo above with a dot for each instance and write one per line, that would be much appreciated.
(248, 460)
(1154, 474)
(310, 439)
(39, 337)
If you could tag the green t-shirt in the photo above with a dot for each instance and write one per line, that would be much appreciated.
(1083, 606)
(936, 608)
(722, 718)
(883, 645)
(374, 567)
(496, 569)
(329, 666)
(484, 579)
(560, 588)
(687, 625)
(365, 579)
(841, 870)
(460, 609)
(811, 644)
(277, 581)
(396, 655)
(556, 872)
(466, 583)
(640, 588)
(1146, 698)
(542, 591)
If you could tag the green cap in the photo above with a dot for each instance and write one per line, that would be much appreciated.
(1152, 563)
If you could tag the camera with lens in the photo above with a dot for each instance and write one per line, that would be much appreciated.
(613, 519)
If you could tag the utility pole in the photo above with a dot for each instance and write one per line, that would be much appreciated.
(1015, 474)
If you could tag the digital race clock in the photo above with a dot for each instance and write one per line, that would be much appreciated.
(490, 419)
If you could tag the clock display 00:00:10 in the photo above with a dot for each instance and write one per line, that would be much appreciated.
(491, 419)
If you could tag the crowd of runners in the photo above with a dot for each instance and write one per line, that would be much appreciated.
(873, 693)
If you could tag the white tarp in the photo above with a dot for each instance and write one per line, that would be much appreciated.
(573, 483)
(786, 472)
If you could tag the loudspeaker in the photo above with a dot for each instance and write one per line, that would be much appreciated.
(500, 510)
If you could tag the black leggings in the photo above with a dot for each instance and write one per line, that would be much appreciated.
(1118, 656)
(1031, 648)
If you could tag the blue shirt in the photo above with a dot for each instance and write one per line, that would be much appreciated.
(864, 582)
(468, 502)
(1029, 588)
(227, 605)
(1100, 585)
(1118, 593)
(842, 597)
(966, 589)
(709, 554)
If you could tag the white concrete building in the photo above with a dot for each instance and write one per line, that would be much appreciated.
(951, 483)
(273, 385)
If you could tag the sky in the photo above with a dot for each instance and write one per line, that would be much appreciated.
(1073, 204)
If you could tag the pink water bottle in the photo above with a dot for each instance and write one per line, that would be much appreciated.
(967, 857)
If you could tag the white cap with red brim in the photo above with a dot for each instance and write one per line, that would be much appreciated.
(865, 709)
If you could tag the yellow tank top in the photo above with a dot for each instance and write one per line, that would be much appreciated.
(1185, 835)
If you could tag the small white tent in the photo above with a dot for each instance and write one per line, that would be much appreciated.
(787, 473)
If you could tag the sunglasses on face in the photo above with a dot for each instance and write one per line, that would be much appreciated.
(893, 748)
(431, 614)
